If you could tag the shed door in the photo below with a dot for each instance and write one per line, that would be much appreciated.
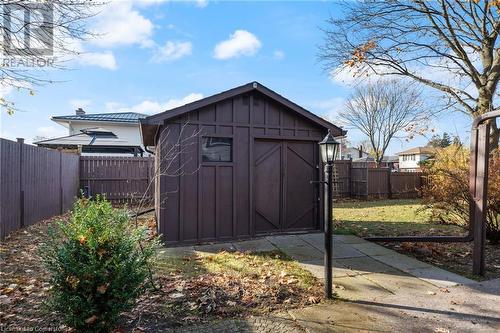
(284, 198)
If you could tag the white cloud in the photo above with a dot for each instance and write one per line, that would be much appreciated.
(278, 54)
(101, 59)
(149, 2)
(120, 24)
(201, 3)
(173, 103)
(329, 108)
(150, 107)
(240, 43)
(172, 51)
(80, 103)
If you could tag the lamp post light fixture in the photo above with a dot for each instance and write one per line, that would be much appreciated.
(328, 148)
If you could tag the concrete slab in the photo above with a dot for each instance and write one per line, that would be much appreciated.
(317, 269)
(384, 316)
(316, 240)
(372, 249)
(402, 284)
(366, 265)
(439, 277)
(401, 262)
(176, 251)
(286, 241)
(341, 250)
(255, 245)
(349, 239)
(341, 317)
(359, 288)
(214, 248)
(302, 253)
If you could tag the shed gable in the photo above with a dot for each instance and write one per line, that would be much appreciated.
(251, 103)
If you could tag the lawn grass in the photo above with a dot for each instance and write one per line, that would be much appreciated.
(409, 217)
(388, 218)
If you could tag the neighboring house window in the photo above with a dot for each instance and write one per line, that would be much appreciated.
(215, 149)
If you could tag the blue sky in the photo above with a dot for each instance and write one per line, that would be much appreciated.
(154, 54)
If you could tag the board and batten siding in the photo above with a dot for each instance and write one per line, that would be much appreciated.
(215, 201)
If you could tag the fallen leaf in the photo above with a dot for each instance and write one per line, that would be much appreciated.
(91, 320)
(176, 295)
(102, 288)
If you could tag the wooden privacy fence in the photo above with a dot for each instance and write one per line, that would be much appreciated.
(362, 182)
(119, 179)
(35, 183)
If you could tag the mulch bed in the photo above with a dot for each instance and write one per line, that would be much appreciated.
(455, 257)
(178, 299)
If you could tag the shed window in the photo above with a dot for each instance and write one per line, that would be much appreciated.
(217, 149)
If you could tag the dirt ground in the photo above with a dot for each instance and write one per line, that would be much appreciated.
(190, 289)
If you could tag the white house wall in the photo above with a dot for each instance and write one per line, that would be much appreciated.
(127, 132)
(412, 164)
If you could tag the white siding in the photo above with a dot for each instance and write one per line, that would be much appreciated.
(411, 162)
(128, 132)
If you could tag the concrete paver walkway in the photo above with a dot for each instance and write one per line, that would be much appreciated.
(381, 290)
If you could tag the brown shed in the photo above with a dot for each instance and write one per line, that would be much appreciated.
(236, 165)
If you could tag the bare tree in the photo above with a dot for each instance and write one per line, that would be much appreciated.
(381, 110)
(449, 45)
(37, 36)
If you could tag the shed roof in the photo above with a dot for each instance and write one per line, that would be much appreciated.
(120, 117)
(150, 124)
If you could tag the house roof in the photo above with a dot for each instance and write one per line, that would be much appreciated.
(87, 137)
(120, 117)
(356, 149)
(150, 124)
(419, 150)
(387, 159)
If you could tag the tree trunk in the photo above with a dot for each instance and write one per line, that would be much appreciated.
(494, 135)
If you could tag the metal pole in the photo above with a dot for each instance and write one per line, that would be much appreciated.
(328, 229)
(480, 200)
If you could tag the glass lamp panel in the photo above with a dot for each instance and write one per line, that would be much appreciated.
(330, 152)
(322, 148)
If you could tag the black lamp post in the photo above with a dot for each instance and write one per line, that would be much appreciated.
(328, 147)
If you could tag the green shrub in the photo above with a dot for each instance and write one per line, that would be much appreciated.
(98, 264)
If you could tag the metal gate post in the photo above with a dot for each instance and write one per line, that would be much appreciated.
(328, 229)
(480, 199)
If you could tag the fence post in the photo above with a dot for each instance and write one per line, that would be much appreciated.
(389, 184)
(367, 181)
(60, 183)
(20, 141)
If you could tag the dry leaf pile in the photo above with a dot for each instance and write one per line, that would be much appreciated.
(226, 294)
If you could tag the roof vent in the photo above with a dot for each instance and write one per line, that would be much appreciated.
(80, 112)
